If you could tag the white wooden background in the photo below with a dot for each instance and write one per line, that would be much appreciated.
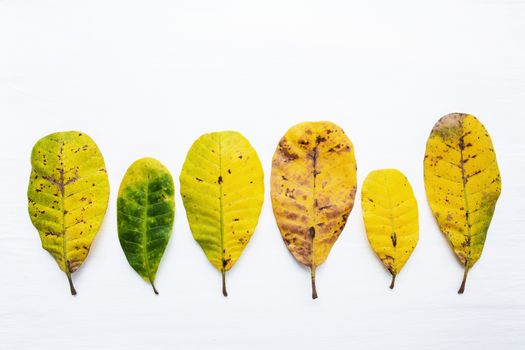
(146, 78)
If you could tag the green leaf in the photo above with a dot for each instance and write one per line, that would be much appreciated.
(68, 196)
(145, 214)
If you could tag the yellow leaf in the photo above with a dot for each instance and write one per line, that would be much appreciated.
(313, 185)
(463, 183)
(391, 217)
(68, 196)
(222, 187)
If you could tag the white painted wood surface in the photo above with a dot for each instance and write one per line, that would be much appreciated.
(148, 77)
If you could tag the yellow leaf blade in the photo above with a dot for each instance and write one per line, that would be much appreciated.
(390, 214)
(313, 186)
(222, 187)
(68, 195)
(463, 183)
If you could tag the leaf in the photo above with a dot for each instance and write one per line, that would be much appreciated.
(391, 218)
(463, 183)
(68, 196)
(313, 185)
(222, 188)
(145, 213)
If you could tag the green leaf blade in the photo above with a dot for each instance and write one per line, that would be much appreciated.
(145, 215)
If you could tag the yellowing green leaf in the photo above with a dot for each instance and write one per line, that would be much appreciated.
(222, 188)
(463, 183)
(391, 217)
(145, 213)
(313, 185)
(68, 196)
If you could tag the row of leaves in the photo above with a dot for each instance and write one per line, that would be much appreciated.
(313, 186)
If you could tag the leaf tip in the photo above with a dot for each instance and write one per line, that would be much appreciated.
(314, 288)
(224, 291)
(154, 289)
(464, 281)
(71, 286)
(393, 281)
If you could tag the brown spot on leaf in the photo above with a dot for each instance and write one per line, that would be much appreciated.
(303, 142)
(287, 155)
(311, 233)
(393, 238)
(290, 193)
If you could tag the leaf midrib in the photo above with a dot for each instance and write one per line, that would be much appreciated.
(314, 209)
(464, 179)
(221, 209)
(62, 190)
(144, 232)
(391, 214)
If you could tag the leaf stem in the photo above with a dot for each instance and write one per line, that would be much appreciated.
(393, 281)
(71, 286)
(224, 292)
(314, 289)
(154, 289)
(462, 287)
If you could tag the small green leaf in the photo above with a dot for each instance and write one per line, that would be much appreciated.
(145, 213)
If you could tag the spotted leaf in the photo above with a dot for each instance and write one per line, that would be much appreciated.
(222, 188)
(313, 185)
(391, 218)
(68, 196)
(463, 183)
(145, 213)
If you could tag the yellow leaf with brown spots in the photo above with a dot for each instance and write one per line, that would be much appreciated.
(222, 188)
(463, 183)
(313, 185)
(68, 196)
(391, 218)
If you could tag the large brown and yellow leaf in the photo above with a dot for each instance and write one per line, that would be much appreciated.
(222, 188)
(313, 185)
(391, 217)
(68, 196)
(463, 183)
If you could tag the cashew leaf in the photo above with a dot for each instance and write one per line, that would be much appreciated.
(68, 195)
